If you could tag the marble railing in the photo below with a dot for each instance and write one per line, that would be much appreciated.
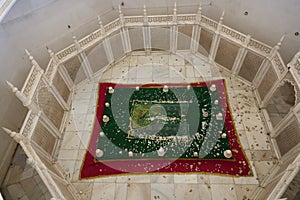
(162, 20)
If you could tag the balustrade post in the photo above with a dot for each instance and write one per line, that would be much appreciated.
(61, 69)
(199, 14)
(31, 84)
(296, 111)
(174, 31)
(173, 38)
(53, 56)
(280, 78)
(241, 56)
(276, 48)
(294, 67)
(83, 58)
(216, 39)
(102, 30)
(146, 32)
(121, 17)
(124, 33)
(33, 61)
(196, 31)
(264, 67)
(174, 17)
(49, 80)
(106, 43)
(25, 100)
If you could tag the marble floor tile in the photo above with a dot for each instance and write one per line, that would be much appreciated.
(214, 179)
(238, 122)
(185, 178)
(133, 179)
(84, 190)
(204, 192)
(178, 70)
(187, 191)
(176, 60)
(80, 106)
(175, 74)
(161, 59)
(68, 154)
(223, 192)
(260, 155)
(103, 191)
(71, 140)
(79, 122)
(70, 125)
(121, 191)
(144, 60)
(132, 72)
(247, 180)
(203, 179)
(123, 61)
(81, 153)
(163, 178)
(76, 171)
(120, 71)
(84, 139)
(243, 192)
(162, 191)
(141, 191)
(258, 141)
(131, 80)
(107, 74)
(85, 88)
(243, 139)
(144, 72)
(189, 71)
(239, 85)
(133, 61)
(81, 96)
(160, 71)
(263, 168)
(200, 79)
(68, 166)
(107, 179)
(145, 80)
(116, 80)
(200, 73)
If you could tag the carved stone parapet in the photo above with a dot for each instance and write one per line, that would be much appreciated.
(174, 18)
(16, 136)
(199, 14)
(121, 16)
(219, 27)
(33, 61)
(26, 101)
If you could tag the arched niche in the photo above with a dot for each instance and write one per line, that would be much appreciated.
(281, 102)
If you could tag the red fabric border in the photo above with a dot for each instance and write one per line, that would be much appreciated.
(237, 167)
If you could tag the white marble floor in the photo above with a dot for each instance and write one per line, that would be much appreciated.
(166, 68)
